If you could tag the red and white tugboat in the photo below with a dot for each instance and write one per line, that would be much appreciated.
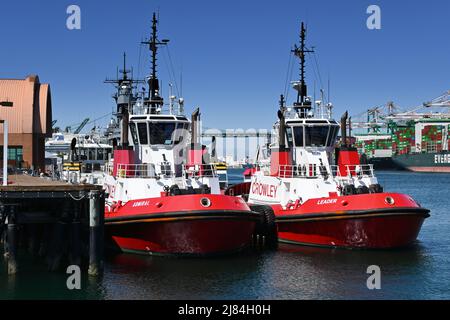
(163, 198)
(316, 202)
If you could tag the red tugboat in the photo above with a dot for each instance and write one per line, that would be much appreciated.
(316, 203)
(163, 197)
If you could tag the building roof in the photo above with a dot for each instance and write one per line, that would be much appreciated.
(32, 107)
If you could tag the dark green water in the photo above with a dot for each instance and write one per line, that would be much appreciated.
(291, 272)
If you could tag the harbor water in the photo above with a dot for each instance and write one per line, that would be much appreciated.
(291, 272)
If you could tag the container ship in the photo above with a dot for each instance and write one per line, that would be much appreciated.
(413, 140)
(425, 147)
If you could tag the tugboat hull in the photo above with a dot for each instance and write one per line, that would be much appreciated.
(370, 231)
(369, 222)
(226, 225)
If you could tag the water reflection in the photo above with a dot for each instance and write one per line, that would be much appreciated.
(147, 277)
(292, 272)
(299, 272)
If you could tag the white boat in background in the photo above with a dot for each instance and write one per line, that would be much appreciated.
(80, 158)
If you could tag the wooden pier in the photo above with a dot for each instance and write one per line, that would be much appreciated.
(59, 222)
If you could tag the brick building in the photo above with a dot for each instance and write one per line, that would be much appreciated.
(26, 105)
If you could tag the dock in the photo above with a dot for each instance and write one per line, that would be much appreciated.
(59, 222)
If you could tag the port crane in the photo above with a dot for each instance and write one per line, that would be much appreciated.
(79, 128)
(382, 116)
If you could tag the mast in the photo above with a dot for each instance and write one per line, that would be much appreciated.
(302, 105)
(124, 99)
(154, 101)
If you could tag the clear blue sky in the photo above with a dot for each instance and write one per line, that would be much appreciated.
(233, 54)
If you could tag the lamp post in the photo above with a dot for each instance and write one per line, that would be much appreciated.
(5, 143)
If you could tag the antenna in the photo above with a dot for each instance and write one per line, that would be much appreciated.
(181, 82)
(302, 105)
(154, 100)
(329, 97)
(124, 71)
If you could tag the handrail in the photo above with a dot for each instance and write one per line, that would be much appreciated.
(200, 171)
(161, 170)
(317, 171)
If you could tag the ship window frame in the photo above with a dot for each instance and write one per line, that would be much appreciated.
(295, 135)
(289, 133)
(141, 133)
(100, 154)
(134, 134)
(332, 133)
(91, 153)
(172, 140)
(311, 129)
(181, 128)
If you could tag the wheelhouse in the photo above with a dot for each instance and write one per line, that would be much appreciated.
(311, 133)
(158, 130)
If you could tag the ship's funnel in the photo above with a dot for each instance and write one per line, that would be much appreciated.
(281, 130)
(281, 157)
(195, 152)
(213, 150)
(346, 155)
(195, 117)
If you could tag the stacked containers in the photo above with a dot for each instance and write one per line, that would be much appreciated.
(403, 139)
(369, 146)
(448, 137)
(432, 136)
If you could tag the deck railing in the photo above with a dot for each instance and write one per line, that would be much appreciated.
(360, 170)
(317, 171)
(200, 171)
(162, 170)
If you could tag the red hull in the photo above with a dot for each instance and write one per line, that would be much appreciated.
(180, 225)
(359, 221)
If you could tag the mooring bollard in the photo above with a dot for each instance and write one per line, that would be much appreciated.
(12, 238)
(95, 233)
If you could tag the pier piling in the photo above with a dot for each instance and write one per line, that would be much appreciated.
(12, 238)
(95, 233)
(58, 222)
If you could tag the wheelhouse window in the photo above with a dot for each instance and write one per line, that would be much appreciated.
(162, 132)
(101, 154)
(181, 132)
(91, 154)
(298, 136)
(82, 154)
(316, 136)
(333, 135)
(134, 133)
(289, 136)
(142, 131)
